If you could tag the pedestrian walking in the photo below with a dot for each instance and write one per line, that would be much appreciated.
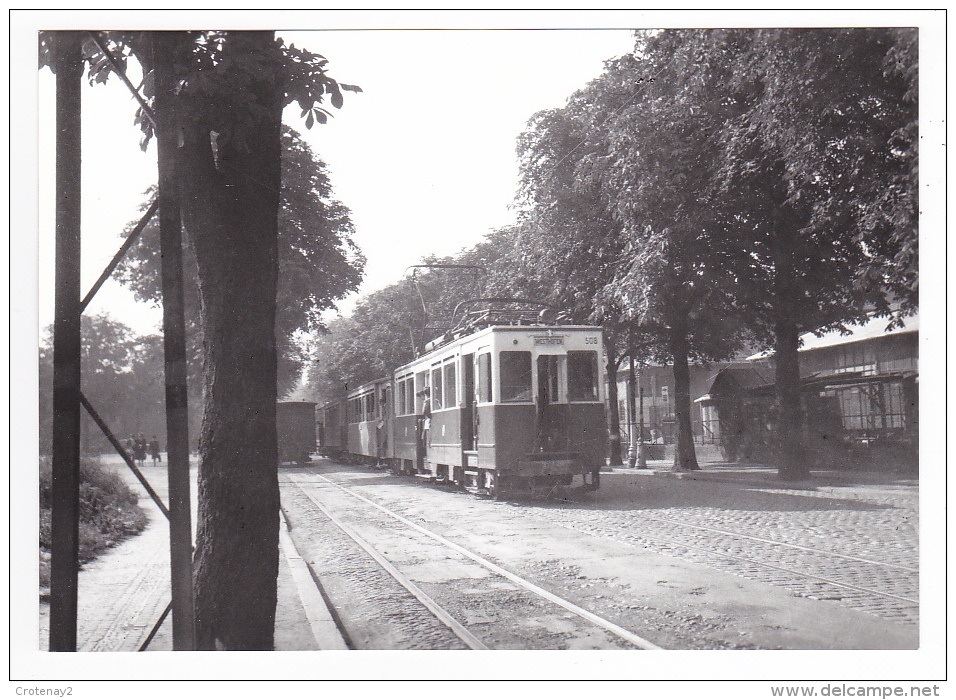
(154, 451)
(140, 456)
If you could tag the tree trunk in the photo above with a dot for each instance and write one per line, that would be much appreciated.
(230, 206)
(613, 414)
(685, 457)
(789, 449)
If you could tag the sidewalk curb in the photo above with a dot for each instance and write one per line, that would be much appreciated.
(325, 627)
(764, 479)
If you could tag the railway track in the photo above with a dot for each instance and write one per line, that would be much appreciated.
(887, 589)
(414, 589)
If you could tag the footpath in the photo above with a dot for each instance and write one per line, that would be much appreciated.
(123, 593)
(714, 468)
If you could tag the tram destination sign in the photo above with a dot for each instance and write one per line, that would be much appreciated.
(549, 340)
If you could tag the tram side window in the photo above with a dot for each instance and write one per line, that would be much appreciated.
(420, 391)
(436, 389)
(451, 398)
(400, 399)
(410, 396)
(515, 376)
(484, 378)
(582, 375)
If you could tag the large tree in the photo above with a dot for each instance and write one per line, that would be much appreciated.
(615, 184)
(570, 242)
(318, 262)
(674, 281)
(230, 89)
(819, 165)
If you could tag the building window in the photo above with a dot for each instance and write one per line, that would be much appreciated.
(854, 357)
(871, 409)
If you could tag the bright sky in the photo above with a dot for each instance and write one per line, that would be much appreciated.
(424, 156)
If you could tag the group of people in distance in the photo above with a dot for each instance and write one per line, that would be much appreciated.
(137, 448)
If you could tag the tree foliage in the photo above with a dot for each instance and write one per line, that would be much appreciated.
(386, 327)
(818, 170)
(613, 183)
(318, 261)
(122, 376)
(721, 181)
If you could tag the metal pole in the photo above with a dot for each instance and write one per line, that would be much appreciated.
(632, 438)
(123, 453)
(127, 244)
(174, 343)
(641, 449)
(64, 565)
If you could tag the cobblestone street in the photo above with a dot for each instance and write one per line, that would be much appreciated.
(854, 544)
(723, 559)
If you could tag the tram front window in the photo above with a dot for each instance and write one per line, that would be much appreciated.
(582, 375)
(515, 376)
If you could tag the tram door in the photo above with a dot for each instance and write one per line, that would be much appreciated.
(422, 420)
(468, 404)
(551, 430)
(482, 395)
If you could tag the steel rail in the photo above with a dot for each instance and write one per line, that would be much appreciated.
(618, 631)
(727, 555)
(434, 608)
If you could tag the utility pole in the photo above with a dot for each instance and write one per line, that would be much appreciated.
(641, 449)
(632, 449)
(64, 554)
(174, 344)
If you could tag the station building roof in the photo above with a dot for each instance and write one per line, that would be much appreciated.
(873, 328)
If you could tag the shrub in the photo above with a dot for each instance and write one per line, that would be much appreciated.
(108, 512)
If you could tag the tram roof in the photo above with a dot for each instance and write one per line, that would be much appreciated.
(487, 330)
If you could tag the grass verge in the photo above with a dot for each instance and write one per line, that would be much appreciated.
(108, 513)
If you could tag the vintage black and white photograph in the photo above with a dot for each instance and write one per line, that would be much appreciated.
(591, 333)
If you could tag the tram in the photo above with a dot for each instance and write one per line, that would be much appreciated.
(500, 408)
